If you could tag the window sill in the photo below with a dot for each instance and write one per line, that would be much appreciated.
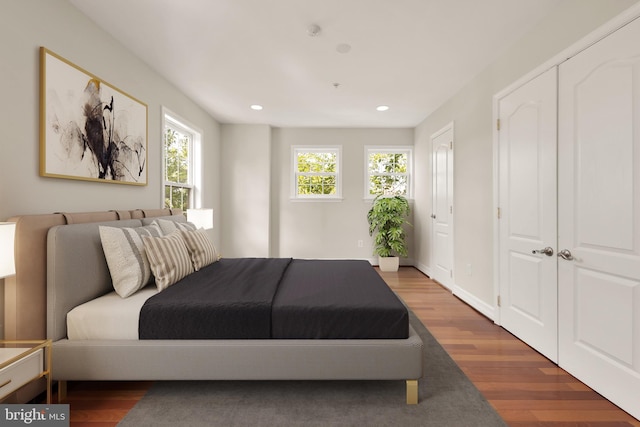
(316, 199)
(371, 199)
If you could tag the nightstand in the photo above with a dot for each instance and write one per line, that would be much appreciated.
(22, 362)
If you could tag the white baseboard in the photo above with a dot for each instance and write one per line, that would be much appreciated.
(481, 306)
(404, 262)
(468, 298)
(423, 268)
(407, 262)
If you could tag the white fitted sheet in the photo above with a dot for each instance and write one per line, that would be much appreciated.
(109, 317)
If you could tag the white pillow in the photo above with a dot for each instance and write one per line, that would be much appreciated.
(201, 249)
(167, 226)
(126, 257)
(169, 258)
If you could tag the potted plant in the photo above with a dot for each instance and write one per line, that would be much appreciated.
(386, 219)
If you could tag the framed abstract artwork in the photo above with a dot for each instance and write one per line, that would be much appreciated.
(89, 129)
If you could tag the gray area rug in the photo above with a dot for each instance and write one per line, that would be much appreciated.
(447, 398)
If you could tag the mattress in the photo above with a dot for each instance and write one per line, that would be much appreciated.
(108, 317)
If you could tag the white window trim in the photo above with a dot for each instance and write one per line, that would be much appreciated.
(195, 161)
(295, 149)
(388, 149)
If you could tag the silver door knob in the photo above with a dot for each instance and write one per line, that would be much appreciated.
(433, 216)
(565, 254)
(546, 251)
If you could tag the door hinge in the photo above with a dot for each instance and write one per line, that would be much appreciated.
(450, 209)
(499, 301)
(498, 213)
(450, 145)
(498, 124)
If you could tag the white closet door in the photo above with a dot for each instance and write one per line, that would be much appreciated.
(442, 168)
(599, 217)
(528, 225)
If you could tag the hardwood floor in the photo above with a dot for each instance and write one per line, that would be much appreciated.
(102, 404)
(524, 387)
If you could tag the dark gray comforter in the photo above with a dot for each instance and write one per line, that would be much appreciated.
(261, 298)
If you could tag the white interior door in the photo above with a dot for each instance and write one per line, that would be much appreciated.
(528, 213)
(442, 206)
(599, 217)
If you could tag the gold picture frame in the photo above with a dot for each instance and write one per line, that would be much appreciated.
(89, 130)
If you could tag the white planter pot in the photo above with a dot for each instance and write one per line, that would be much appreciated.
(388, 263)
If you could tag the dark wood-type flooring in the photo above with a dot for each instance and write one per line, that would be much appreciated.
(524, 387)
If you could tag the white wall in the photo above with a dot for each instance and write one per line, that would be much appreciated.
(326, 229)
(246, 175)
(25, 25)
(471, 111)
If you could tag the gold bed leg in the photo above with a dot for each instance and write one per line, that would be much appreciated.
(62, 391)
(412, 392)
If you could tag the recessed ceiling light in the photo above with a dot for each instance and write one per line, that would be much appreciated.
(382, 107)
(256, 107)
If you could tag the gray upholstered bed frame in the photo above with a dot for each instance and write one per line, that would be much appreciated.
(77, 272)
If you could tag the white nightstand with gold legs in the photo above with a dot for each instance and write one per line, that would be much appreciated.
(22, 362)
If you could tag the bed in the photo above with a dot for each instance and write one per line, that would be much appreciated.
(77, 273)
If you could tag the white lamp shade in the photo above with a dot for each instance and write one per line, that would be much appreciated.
(7, 257)
(201, 218)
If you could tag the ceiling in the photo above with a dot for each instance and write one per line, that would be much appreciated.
(411, 55)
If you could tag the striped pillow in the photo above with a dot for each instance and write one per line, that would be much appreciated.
(126, 257)
(200, 248)
(169, 259)
(167, 226)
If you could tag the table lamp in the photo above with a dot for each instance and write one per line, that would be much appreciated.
(7, 257)
(201, 218)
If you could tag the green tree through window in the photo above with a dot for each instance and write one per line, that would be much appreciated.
(178, 147)
(388, 172)
(316, 173)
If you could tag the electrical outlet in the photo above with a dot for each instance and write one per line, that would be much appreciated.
(360, 243)
(468, 269)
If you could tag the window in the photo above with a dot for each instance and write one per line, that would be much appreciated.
(180, 144)
(388, 171)
(316, 172)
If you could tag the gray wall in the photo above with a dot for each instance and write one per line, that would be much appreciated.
(471, 111)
